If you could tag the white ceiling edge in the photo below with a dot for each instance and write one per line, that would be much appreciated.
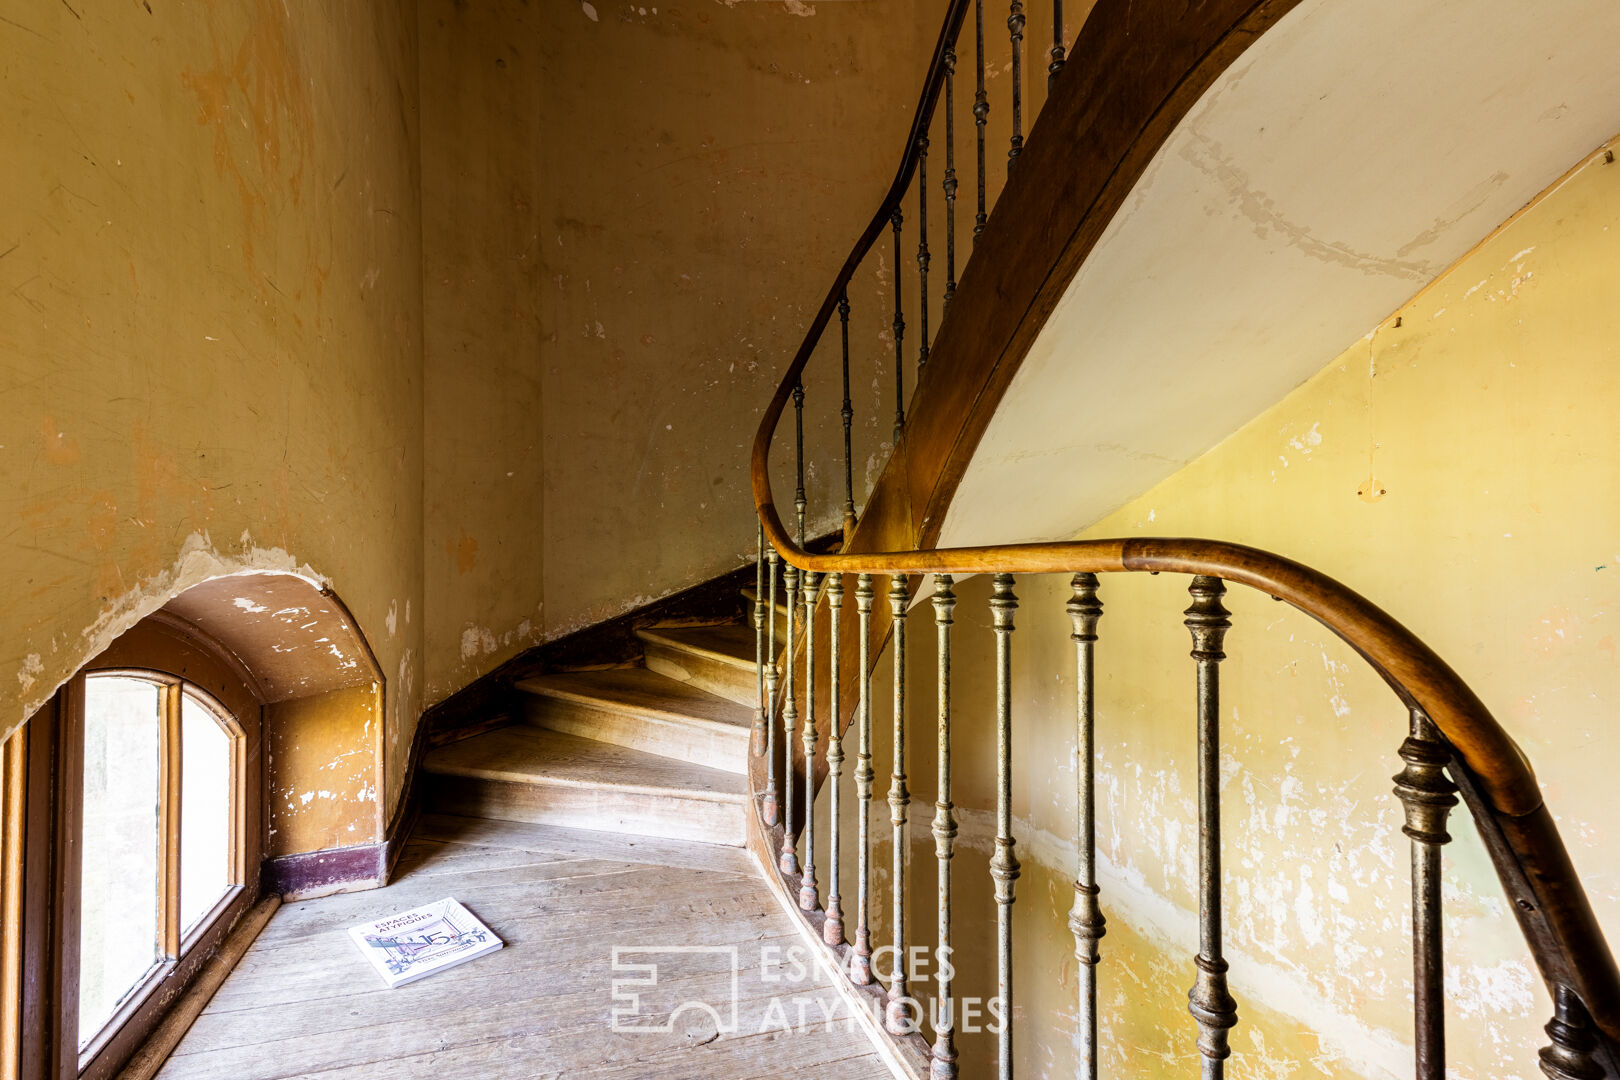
(1353, 153)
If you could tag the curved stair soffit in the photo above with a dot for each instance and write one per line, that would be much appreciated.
(1313, 168)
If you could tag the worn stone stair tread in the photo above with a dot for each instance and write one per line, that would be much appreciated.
(643, 692)
(522, 754)
(728, 643)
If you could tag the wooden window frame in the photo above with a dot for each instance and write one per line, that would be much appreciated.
(45, 843)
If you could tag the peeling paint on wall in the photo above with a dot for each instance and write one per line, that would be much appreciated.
(177, 364)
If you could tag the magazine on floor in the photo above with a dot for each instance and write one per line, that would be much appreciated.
(414, 944)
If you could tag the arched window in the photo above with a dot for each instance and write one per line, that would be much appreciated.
(143, 786)
(160, 822)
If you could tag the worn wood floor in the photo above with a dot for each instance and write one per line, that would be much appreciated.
(304, 1002)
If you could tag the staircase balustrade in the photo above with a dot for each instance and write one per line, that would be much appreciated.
(1454, 746)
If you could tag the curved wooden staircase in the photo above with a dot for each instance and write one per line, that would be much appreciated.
(657, 749)
(696, 741)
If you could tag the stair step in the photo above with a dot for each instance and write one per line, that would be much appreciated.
(749, 601)
(719, 659)
(642, 710)
(523, 773)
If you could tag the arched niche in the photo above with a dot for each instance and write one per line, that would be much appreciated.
(323, 698)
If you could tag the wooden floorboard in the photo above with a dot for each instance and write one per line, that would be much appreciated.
(304, 1003)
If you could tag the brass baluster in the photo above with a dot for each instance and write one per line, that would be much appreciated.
(1056, 65)
(950, 173)
(832, 931)
(848, 414)
(788, 859)
(1004, 863)
(808, 899)
(895, 1018)
(899, 337)
(922, 252)
(1208, 1000)
(1427, 796)
(769, 810)
(1086, 918)
(981, 113)
(1572, 1055)
(861, 966)
(1015, 27)
(942, 1060)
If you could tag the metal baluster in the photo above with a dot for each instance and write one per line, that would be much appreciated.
(1572, 1053)
(808, 898)
(950, 172)
(861, 966)
(895, 1018)
(1056, 65)
(981, 113)
(757, 737)
(1427, 796)
(788, 859)
(1004, 864)
(849, 418)
(769, 809)
(1015, 26)
(922, 252)
(899, 336)
(832, 930)
(1208, 1000)
(1086, 918)
(799, 502)
(942, 1064)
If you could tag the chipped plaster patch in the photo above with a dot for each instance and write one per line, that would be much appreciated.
(1377, 1053)
(198, 561)
(475, 639)
(32, 668)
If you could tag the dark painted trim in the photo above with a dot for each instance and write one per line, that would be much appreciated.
(320, 873)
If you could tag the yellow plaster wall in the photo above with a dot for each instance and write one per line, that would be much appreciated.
(631, 213)
(1460, 470)
(210, 322)
(320, 776)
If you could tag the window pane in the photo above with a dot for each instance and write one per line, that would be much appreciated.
(205, 810)
(118, 920)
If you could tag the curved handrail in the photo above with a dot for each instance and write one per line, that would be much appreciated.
(1417, 675)
(920, 121)
(1531, 860)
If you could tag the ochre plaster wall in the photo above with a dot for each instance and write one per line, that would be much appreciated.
(320, 773)
(210, 323)
(631, 213)
(1459, 469)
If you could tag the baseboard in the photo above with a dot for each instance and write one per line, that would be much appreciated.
(321, 873)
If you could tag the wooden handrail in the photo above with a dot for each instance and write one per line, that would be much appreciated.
(921, 119)
(1496, 778)
(1551, 903)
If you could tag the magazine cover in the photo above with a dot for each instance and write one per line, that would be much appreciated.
(414, 944)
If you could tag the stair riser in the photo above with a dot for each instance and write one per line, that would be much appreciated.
(698, 744)
(663, 815)
(729, 681)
